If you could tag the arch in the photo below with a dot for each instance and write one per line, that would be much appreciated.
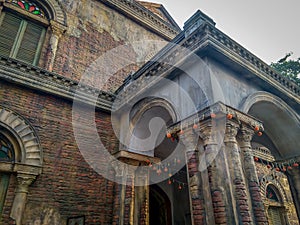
(147, 103)
(159, 206)
(26, 137)
(277, 187)
(281, 123)
(148, 118)
(54, 10)
(268, 97)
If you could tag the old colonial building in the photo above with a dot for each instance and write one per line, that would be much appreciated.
(111, 114)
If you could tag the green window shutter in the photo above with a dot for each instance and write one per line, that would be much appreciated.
(29, 45)
(20, 38)
(275, 216)
(9, 27)
(4, 180)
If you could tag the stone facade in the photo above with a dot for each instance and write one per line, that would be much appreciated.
(88, 124)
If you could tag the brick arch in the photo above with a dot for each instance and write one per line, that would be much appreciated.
(55, 11)
(276, 184)
(23, 132)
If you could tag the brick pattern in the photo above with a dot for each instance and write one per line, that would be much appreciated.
(197, 201)
(67, 184)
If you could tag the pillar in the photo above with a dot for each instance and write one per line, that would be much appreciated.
(241, 198)
(124, 198)
(212, 170)
(259, 213)
(141, 204)
(57, 31)
(197, 203)
(294, 181)
(23, 183)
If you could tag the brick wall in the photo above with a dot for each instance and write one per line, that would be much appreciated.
(68, 186)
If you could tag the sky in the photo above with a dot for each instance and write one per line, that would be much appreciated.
(267, 28)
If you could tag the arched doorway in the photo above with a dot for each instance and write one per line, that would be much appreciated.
(159, 207)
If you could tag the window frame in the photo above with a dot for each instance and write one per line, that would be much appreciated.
(27, 18)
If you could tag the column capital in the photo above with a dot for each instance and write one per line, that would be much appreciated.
(122, 169)
(24, 181)
(190, 139)
(57, 28)
(231, 131)
(245, 135)
(207, 133)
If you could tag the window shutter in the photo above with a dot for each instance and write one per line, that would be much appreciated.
(275, 216)
(30, 41)
(9, 27)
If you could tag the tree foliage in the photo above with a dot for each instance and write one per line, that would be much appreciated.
(289, 68)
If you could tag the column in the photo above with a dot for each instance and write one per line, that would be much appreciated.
(57, 31)
(245, 137)
(124, 198)
(23, 182)
(241, 198)
(294, 182)
(141, 205)
(212, 157)
(197, 203)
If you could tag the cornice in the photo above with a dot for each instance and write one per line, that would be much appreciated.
(206, 36)
(144, 16)
(256, 65)
(37, 78)
(220, 111)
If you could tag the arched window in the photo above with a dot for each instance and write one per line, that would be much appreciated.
(271, 194)
(22, 30)
(6, 150)
(276, 212)
(6, 155)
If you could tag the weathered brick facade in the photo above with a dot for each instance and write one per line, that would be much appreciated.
(58, 118)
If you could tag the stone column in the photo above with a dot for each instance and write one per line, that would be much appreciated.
(259, 213)
(23, 182)
(217, 171)
(141, 204)
(57, 31)
(241, 198)
(294, 181)
(196, 195)
(124, 199)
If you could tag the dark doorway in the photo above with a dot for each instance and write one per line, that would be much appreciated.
(159, 207)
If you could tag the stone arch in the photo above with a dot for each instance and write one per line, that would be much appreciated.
(268, 97)
(281, 123)
(147, 118)
(145, 104)
(24, 134)
(275, 183)
(54, 10)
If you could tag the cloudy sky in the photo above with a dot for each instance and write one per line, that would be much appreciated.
(267, 28)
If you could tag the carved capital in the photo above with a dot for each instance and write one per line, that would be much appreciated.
(231, 131)
(207, 133)
(190, 139)
(57, 28)
(24, 181)
(245, 136)
(123, 169)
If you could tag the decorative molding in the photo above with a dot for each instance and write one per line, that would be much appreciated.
(145, 17)
(206, 35)
(263, 153)
(37, 78)
(268, 97)
(220, 110)
(31, 150)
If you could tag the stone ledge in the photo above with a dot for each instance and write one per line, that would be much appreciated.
(37, 78)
